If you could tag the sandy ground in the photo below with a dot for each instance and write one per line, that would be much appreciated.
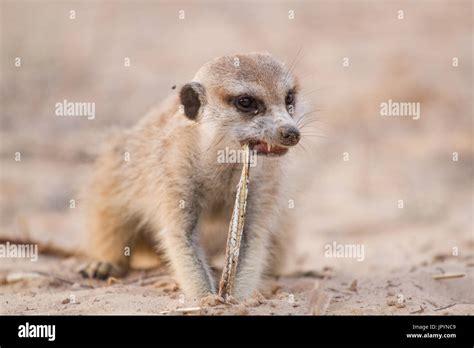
(399, 285)
(50, 287)
(352, 170)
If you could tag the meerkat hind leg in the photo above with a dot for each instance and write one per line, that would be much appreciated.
(110, 237)
(101, 270)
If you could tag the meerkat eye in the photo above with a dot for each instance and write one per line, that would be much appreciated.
(290, 98)
(290, 102)
(246, 103)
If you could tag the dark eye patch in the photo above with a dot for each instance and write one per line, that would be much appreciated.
(290, 98)
(290, 101)
(248, 104)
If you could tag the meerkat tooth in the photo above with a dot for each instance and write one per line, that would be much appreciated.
(269, 147)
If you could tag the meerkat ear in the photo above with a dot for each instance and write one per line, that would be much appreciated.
(192, 97)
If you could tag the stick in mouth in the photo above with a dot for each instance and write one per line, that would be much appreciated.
(236, 228)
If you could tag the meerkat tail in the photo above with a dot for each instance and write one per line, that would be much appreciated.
(236, 228)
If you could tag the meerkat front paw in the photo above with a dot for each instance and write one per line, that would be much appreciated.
(101, 270)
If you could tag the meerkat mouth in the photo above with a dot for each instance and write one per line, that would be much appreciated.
(265, 148)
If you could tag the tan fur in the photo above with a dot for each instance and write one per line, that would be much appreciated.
(173, 162)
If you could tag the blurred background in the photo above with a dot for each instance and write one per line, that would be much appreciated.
(349, 201)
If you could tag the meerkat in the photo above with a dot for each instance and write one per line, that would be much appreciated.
(162, 178)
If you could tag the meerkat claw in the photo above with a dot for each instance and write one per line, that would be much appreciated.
(99, 270)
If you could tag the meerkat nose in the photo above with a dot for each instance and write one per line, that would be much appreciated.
(289, 135)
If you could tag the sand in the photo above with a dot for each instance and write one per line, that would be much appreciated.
(51, 286)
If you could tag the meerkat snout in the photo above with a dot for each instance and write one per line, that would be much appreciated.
(289, 135)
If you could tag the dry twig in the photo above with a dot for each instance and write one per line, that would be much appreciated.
(236, 228)
(448, 276)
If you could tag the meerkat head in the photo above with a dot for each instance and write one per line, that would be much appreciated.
(249, 98)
